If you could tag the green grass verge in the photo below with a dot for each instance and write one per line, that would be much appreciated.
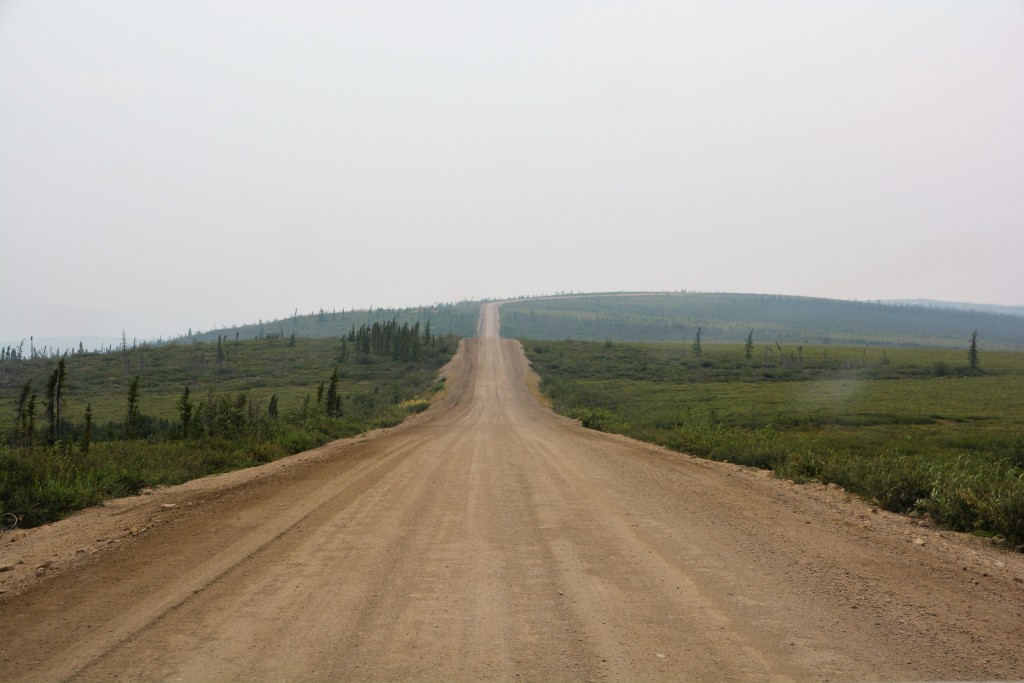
(232, 425)
(907, 428)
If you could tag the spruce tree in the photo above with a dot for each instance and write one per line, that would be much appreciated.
(697, 349)
(132, 415)
(50, 410)
(30, 427)
(124, 349)
(60, 398)
(972, 353)
(748, 348)
(333, 399)
(185, 412)
(26, 390)
(87, 432)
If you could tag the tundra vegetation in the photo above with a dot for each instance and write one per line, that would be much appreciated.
(457, 319)
(925, 431)
(790, 320)
(144, 415)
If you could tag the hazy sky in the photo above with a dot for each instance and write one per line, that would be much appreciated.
(173, 164)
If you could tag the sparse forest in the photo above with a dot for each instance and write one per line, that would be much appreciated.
(85, 426)
(458, 319)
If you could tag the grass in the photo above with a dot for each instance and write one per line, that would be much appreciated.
(261, 367)
(907, 428)
(232, 427)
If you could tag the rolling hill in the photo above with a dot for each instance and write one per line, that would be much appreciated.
(676, 316)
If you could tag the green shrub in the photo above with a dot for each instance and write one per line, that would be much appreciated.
(889, 431)
(231, 425)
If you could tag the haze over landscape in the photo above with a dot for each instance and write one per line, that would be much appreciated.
(557, 341)
(176, 165)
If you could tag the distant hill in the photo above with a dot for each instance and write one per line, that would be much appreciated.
(730, 317)
(957, 305)
(458, 318)
(653, 316)
(444, 318)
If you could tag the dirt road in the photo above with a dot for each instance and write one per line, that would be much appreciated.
(488, 538)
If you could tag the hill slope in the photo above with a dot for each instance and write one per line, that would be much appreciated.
(445, 318)
(676, 316)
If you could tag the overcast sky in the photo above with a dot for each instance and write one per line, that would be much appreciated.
(173, 164)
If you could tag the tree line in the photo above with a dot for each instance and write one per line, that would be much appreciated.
(403, 342)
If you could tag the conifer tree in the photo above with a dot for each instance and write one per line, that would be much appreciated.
(60, 395)
(87, 432)
(124, 349)
(185, 412)
(132, 415)
(51, 410)
(748, 348)
(696, 342)
(333, 399)
(30, 427)
(26, 389)
(972, 353)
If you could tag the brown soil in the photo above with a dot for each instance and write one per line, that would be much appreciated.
(489, 538)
